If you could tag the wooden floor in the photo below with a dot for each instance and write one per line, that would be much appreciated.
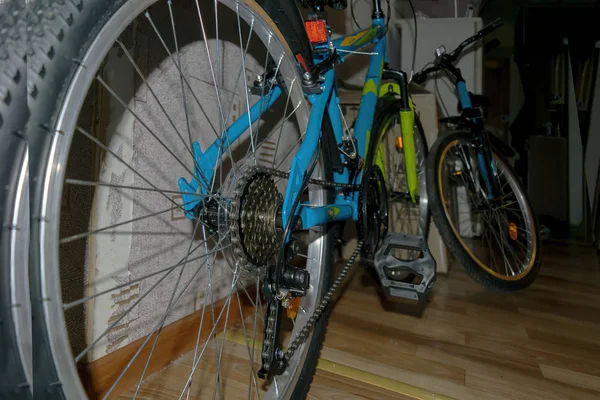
(466, 343)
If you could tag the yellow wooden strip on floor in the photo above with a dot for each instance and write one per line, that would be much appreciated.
(571, 377)
(357, 374)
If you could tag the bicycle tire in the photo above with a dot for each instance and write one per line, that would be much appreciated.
(62, 32)
(475, 268)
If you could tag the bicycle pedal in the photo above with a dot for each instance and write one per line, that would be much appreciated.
(410, 279)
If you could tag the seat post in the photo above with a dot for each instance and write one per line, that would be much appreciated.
(377, 13)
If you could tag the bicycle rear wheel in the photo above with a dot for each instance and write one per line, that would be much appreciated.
(497, 241)
(122, 92)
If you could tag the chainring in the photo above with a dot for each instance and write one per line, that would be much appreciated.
(372, 211)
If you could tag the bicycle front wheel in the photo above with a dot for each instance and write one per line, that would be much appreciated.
(405, 213)
(127, 98)
(496, 240)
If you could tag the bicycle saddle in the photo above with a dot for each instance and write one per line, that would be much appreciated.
(336, 4)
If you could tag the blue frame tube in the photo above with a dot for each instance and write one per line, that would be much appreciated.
(368, 101)
(361, 38)
(343, 208)
(308, 148)
(313, 216)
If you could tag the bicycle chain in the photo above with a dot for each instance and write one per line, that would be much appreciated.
(304, 332)
(318, 312)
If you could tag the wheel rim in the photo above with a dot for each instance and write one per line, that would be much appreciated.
(19, 272)
(51, 202)
(497, 232)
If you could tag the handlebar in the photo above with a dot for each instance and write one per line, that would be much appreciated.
(489, 28)
(476, 37)
(447, 60)
(421, 77)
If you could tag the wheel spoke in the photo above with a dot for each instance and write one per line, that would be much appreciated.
(212, 332)
(160, 38)
(115, 323)
(528, 233)
(266, 65)
(68, 306)
(220, 353)
(185, 106)
(141, 75)
(287, 102)
(224, 132)
(279, 126)
(263, 109)
(217, 42)
(132, 360)
(488, 239)
(158, 102)
(104, 147)
(506, 244)
(501, 246)
(254, 304)
(198, 336)
(166, 312)
(137, 117)
(290, 151)
(214, 335)
(243, 58)
(252, 378)
(212, 70)
(80, 182)
(72, 238)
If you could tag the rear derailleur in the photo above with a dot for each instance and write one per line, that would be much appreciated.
(282, 284)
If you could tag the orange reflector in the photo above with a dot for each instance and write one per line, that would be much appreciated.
(399, 143)
(512, 231)
(292, 310)
(317, 31)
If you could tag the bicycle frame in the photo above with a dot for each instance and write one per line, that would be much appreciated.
(345, 206)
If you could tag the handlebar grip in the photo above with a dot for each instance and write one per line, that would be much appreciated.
(419, 77)
(490, 27)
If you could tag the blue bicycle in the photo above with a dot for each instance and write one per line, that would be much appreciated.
(177, 174)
